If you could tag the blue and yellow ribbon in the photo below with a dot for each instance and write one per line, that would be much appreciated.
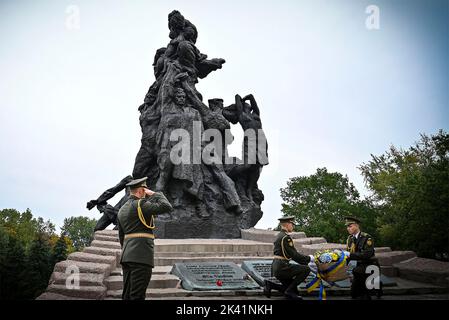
(321, 275)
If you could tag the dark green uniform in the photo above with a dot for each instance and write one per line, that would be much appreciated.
(290, 275)
(362, 251)
(137, 242)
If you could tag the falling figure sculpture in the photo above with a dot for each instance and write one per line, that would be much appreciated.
(210, 199)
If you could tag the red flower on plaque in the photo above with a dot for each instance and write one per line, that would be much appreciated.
(219, 283)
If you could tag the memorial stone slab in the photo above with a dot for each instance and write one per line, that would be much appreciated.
(213, 276)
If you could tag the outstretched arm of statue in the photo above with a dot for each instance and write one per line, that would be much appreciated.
(253, 103)
(108, 194)
(238, 105)
(205, 66)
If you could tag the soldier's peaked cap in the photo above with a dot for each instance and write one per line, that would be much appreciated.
(287, 219)
(142, 182)
(351, 220)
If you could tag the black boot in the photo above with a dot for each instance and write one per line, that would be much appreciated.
(267, 289)
(292, 295)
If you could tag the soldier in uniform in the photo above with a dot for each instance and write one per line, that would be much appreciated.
(135, 225)
(360, 247)
(290, 275)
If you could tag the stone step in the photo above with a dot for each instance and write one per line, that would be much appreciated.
(89, 257)
(86, 292)
(266, 235)
(103, 251)
(306, 241)
(404, 287)
(210, 254)
(211, 245)
(157, 281)
(390, 258)
(389, 271)
(109, 233)
(382, 249)
(236, 259)
(156, 270)
(106, 244)
(173, 293)
(424, 270)
(56, 296)
(85, 279)
(83, 267)
(313, 248)
(106, 238)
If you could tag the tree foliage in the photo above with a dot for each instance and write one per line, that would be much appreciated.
(29, 248)
(411, 189)
(80, 230)
(321, 201)
(60, 249)
(23, 226)
(39, 266)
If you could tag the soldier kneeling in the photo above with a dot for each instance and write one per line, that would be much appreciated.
(290, 275)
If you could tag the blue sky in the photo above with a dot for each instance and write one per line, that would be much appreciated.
(331, 91)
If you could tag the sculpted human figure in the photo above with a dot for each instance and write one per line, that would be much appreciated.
(109, 212)
(213, 119)
(254, 144)
(176, 114)
(173, 114)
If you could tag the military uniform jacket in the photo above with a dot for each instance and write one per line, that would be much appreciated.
(284, 247)
(139, 250)
(361, 250)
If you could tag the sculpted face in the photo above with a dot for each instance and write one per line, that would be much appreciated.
(216, 105)
(180, 97)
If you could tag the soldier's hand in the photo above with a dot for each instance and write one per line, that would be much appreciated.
(149, 192)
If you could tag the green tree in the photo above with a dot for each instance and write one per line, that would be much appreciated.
(321, 201)
(80, 230)
(23, 226)
(60, 249)
(12, 277)
(411, 189)
(4, 244)
(39, 266)
(25, 261)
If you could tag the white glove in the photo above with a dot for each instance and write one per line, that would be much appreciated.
(312, 258)
(312, 266)
(347, 254)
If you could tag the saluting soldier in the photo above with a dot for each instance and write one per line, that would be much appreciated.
(289, 274)
(360, 247)
(135, 225)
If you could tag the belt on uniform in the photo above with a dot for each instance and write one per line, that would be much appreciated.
(280, 258)
(139, 235)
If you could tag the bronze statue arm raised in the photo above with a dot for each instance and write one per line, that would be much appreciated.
(253, 103)
(205, 66)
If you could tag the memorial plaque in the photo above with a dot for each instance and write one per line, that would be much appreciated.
(259, 270)
(213, 276)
